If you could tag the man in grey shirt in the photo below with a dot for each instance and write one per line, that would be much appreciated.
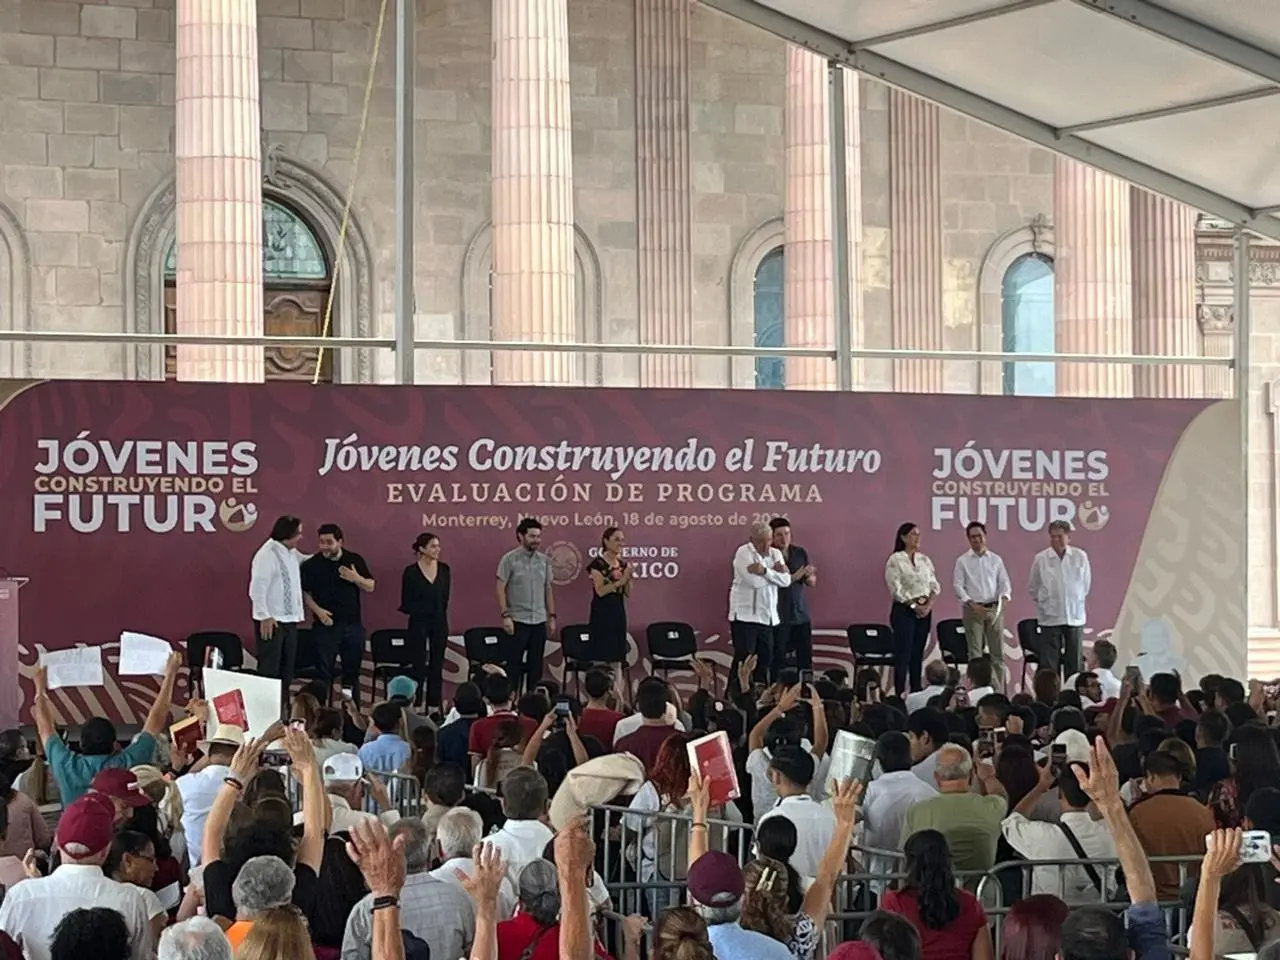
(527, 603)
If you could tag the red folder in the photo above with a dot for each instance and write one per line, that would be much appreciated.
(230, 709)
(712, 757)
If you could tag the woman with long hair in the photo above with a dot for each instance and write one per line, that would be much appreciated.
(914, 586)
(277, 934)
(167, 799)
(951, 921)
(1017, 770)
(777, 839)
(27, 827)
(1033, 928)
(423, 744)
(611, 586)
(661, 838)
(1255, 763)
(681, 934)
(424, 599)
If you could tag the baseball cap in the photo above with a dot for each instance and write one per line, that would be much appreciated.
(401, 688)
(87, 826)
(715, 879)
(343, 768)
(121, 784)
(1077, 745)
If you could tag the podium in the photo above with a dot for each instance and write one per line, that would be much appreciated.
(10, 663)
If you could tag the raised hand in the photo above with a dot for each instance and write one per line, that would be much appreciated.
(485, 879)
(381, 861)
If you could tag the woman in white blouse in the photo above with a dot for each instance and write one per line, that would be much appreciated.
(913, 586)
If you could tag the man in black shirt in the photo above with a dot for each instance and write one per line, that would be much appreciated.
(332, 581)
(794, 631)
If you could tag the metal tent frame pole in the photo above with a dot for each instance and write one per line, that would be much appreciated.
(839, 224)
(1244, 398)
(405, 353)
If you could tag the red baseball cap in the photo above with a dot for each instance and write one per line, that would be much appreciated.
(120, 783)
(87, 826)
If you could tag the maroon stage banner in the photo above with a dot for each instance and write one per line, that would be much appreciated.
(137, 506)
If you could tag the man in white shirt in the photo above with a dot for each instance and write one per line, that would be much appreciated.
(1099, 661)
(982, 587)
(1059, 585)
(791, 771)
(927, 732)
(1078, 883)
(759, 570)
(275, 587)
(888, 798)
(935, 678)
(457, 833)
(33, 909)
(200, 788)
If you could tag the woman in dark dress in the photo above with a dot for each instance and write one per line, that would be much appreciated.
(424, 598)
(611, 580)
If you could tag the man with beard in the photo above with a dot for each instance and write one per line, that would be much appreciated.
(332, 582)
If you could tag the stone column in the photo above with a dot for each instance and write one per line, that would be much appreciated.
(665, 223)
(533, 269)
(1217, 324)
(1164, 292)
(915, 225)
(809, 297)
(1093, 279)
(219, 187)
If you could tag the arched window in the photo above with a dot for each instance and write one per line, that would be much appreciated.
(769, 320)
(290, 250)
(1026, 296)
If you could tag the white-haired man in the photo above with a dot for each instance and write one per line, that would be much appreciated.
(970, 821)
(196, 939)
(458, 832)
(759, 571)
(345, 784)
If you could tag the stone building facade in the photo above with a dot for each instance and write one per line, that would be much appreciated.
(677, 151)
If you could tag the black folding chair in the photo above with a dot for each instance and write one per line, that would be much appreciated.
(492, 645)
(953, 642)
(872, 646)
(391, 656)
(582, 654)
(672, 646)
(228, 645)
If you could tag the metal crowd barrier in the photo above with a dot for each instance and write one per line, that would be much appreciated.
(636, 885)
(403, 789)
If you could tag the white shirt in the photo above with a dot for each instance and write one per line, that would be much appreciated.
(920, 699)
(753, 597)
(198, 791)
(522, 841)
(763, 797)
(275, 583)
(924, 770)
(344, 818)
(635, 721)
(446, 873)
(815, 826)
(32, 909)
(884, 808)
(981, 578)
(1107, 680)
(1059, 586)
(1046, 841)
(910, 581)
(977, 693)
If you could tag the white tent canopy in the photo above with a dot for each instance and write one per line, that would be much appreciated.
(1178, 96)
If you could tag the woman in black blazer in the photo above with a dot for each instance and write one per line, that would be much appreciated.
(424, 598)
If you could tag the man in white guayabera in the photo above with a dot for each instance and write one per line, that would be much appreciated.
(1059, 584)
(982, 587)
(275, 587)
(759, 570)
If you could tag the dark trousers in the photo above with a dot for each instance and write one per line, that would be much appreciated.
(1061, 648)
(345, 641)
(429, 639)
(277, 655)
(530, 646)
(910, 636)
(788, 637)
(749, 638)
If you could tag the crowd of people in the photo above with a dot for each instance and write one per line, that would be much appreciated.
(1078, 822)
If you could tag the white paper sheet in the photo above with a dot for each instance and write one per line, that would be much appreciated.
(77, 667)
(261, 696)
(142, 655)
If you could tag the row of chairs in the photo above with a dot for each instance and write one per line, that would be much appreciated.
(872, 644)
(672, 645)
